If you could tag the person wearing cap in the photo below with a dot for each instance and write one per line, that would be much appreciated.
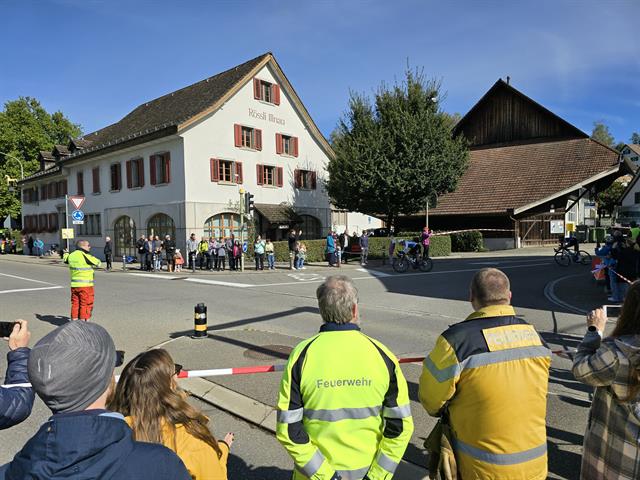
(16, 402)
(81, 265)
(343, 409)
(71, 370)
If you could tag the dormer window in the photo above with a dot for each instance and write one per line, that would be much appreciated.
(266, 91)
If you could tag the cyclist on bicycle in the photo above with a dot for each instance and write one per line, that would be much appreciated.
(572, 241)
(411, 249)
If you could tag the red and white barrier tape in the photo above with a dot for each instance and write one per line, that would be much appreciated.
(474, 230)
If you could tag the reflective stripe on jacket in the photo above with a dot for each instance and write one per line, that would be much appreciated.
(491, 373)
(81, 265)
(343, 407)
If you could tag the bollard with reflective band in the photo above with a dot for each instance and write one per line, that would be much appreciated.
(200, 321)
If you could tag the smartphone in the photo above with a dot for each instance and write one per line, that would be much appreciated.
(6, 328)
(612, 311)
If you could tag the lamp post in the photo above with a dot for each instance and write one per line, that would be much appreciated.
(17, 160)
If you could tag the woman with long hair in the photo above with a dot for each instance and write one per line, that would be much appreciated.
(612, 365)
(157, 412)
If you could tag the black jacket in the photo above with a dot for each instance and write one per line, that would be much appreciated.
(170, 247)
(107, 248)
(16, 403)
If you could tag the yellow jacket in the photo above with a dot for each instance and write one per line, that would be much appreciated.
(81, 265)
(201, 460)
(490, 374)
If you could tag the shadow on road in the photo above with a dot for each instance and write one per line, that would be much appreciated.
(237, 468)
(562, 462)
(56, 320)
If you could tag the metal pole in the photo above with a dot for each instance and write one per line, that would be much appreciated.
(19, 163)
(242, 225)
(66, 217)
(426, 215)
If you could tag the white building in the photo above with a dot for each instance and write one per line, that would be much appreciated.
(175, 165)
(631, 152)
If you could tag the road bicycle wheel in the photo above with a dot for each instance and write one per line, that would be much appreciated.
(562, 258)
(426, 265)
(401, 265)
(584, 258)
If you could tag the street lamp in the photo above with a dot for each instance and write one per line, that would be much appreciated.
(17, 160)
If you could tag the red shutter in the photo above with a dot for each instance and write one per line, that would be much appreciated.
(213, 166)
(54, 190)
(296, 178)
(279, 176)
(258, 137)
(53, 222)
(128, 173)
(276, 94)
(43, 191)
(167, 167)
(238, 166)
(80, 180)
(295, 146)
(141, 171)
(237, 133)
(64, 188)
(278, 143)
(313, 180)
(96, 180)
(152, 166)
(259, 175)
(256, 89)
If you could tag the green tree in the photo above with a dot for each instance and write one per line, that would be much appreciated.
(609, 198)
(25, 129)
(602, 134)
(635, 138)
(393, 154)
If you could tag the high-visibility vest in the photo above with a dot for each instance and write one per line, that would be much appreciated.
(81, 266)
(343, 407)
(490, 373)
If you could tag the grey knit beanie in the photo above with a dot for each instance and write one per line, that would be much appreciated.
(71, 367)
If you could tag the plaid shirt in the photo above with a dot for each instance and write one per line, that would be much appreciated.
(612, 439)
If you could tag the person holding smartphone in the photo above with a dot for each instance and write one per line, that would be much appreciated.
(612, 365)
(16, 402)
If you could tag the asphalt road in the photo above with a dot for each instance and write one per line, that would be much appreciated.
(406, 312)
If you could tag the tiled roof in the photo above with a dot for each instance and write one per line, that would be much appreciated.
(278, 213)
(62, 150)
(171, 109)
(517, 175)
(41, 173)
(635, 148)
(47, 156)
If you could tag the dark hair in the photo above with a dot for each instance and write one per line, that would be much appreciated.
(490, 286)
(629, 319)
(146, 392)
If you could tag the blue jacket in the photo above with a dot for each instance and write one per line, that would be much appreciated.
(92, 444)
(331, 244)
(16, 403)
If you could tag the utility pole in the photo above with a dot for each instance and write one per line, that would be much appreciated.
(242, 227)
(66, 216)
(426, 214)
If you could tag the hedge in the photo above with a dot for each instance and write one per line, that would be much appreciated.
(466, 242)
(378, 246)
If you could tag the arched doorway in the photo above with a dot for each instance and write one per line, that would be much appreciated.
(161, 225)
(124, 236)
(222, 225)
(311, 227)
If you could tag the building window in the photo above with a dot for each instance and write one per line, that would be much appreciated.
(637, 197)
(223, 225)
(91, 226)
(160, 168)
(53, 222)
(161, 225)
(226, 171)
(266, 91)
(80, 181)
(305, 179)
(62, 188)
(135, 173)
(286, 145)
(96, 180)
(124, 233)
(247, 137)
(116, 177)
(311, 227)
(269, 175)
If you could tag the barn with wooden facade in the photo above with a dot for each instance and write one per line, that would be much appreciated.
(527, 168)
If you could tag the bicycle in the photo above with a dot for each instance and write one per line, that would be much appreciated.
(403, 262)
(563, 257)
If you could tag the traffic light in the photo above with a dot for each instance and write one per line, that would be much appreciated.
(248, 203)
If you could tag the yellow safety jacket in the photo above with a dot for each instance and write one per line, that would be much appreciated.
(343, 407)
(490, 373)
(81, 265)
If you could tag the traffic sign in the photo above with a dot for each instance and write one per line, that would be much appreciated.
(78, 222)
(67, 233)
(245, 246)
(77, 215)
(77, 201)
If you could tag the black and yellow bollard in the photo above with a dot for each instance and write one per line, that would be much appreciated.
(200, 321)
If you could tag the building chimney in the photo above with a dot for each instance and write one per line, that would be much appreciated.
(508, 79)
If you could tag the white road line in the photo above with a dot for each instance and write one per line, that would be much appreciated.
(29, 289)
(27, 279)
(375, 273)
(225, 284)
(501, 262)
(549, 293)
(152, 275)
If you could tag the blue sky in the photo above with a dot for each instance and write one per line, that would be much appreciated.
(97, 60)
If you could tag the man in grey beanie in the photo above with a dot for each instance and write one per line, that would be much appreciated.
(71, 370)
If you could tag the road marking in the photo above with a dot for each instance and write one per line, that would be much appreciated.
(375, 273)
(502, 262)
(29, 289)
(305, 277)
(27, 279)
(151, 275)
(553, 298)
(225, 284)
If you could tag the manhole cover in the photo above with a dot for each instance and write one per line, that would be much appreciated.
(268, 352)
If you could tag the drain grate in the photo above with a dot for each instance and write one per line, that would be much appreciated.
(268, 352)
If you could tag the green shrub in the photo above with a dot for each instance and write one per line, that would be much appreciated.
(466, 242)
